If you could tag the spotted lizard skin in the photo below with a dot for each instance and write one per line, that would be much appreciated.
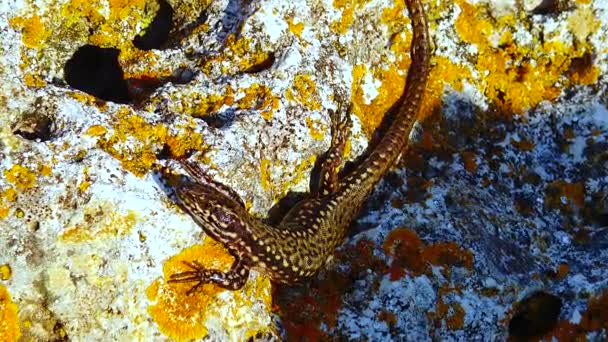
(307, 236)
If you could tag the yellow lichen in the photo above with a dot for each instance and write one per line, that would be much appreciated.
(9, 317)
(34, 81)
(300, 172)
(296, 29)
(45, 170)
(84, 186)
(348, 8)
(33, 31)
(583, 23)
(240, 55)
(182, 317)
(265, 174)
(19, 213)
(390, 90)
(20, 176)
(517, 77)
(10, 194)
(99, 222)
(304, 92)
(199, 105)
(259, 97)
(5, 272)
(135, 142)
(89, 100)
(316, 128)
(4, 211)
(96, 130)
(256, 97)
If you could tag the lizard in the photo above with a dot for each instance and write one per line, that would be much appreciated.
(305, 239)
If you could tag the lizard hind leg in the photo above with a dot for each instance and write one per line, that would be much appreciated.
(202, 177)
(341, 124)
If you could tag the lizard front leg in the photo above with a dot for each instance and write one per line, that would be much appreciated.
(200, 176)
(232, 279)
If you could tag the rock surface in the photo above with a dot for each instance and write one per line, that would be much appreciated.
(494, 220)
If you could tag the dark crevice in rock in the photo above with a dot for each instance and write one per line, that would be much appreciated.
(535, 315)
(34, 126)
(263, 65)
(140, 89)
(220, 120)
(157, 33)
(548, 7)
(38, 123)
(96, 71)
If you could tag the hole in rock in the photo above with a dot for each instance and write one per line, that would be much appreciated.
(35, 126)
(220, 120)
(551, 7)
(534, 316)
(263, 65)
(157, 33)
(96, 71)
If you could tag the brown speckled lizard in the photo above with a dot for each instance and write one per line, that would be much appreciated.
(307, 236)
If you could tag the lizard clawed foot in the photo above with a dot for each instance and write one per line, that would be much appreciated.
(233, 279)
(199, 274)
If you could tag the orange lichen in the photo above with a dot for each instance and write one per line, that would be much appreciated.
(184, 317)
(33, 31)
(9, 317)
(562, 271)
(523, 144)
(99, 222)
(307, 314)
(574, 193)
(411, 255)
(304, 92)
(4, 211)
(595, 318)
(404, 245)
(470, 161)
(390, 90)
(5, 272)
(179, 316)
(455, 320)
(447, 254)
(21, 177)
